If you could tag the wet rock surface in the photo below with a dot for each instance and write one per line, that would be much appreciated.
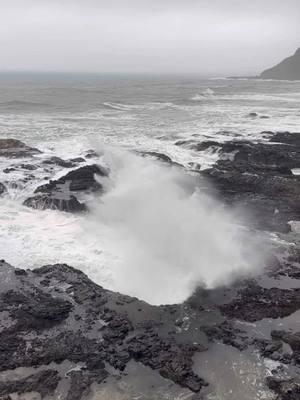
(44, 383)
(12, 148)
(259, 177)
(60, 328)
(60, 194)
(66, 202)
(160, 157)
(2, 189)
(56, 314)
(81, 179)
(251, 303)
(285, 389)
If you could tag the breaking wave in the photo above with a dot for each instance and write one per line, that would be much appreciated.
(134, 107)
(168, 235)
(207, 93)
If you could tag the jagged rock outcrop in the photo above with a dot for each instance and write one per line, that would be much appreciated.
(55, 314)
(59, 194)
(78, 180)
(61, 330)
(259, 177)
(13, 148)
(65, 202)
(288, 69)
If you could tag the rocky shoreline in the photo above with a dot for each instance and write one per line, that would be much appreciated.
(55, 315)
(63, 336)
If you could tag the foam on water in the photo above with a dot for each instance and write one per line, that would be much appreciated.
(152, 234)
(168, 236)
(150, 222)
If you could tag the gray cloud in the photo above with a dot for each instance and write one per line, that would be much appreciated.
(214, 37)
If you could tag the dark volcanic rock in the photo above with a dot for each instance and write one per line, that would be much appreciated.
(12, 148)
(27, 167)
(60, 162)
(44, 382)
(2, 189)
(8, 170)
(206, 144)
(287, 138)
(227, 333)
(91, 154)
(81, 382)
(258, 176)
(285, 389)
(81, 179)
(173, 362)
(57, 195)
(77, 160)
(262, 157)
(37, 312)
(288, 69)
(158, 156)
(58, 315)
(67, 202)
(293, 339)
(255, 303)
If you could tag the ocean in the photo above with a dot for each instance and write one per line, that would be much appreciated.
(146, 228)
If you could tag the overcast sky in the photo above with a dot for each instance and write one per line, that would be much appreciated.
(209, 37)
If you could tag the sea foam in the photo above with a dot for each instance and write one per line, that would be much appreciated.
(168, 235)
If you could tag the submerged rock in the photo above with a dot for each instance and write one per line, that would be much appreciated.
(12, 148)
(68, 203)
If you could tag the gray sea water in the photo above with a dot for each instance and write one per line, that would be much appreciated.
(145, 212)
(142, 112)
(146, 236)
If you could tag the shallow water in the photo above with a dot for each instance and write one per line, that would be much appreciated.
(233, 375)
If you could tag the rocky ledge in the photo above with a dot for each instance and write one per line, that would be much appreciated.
(259, 177)
(63, 336)
(59, 194)
(12, 148)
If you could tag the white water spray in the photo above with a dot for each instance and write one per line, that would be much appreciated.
(168, 238)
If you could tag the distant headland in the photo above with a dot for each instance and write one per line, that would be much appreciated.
(288, 69)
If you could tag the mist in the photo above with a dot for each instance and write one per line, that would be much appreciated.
(168, 236)
(209, 38)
